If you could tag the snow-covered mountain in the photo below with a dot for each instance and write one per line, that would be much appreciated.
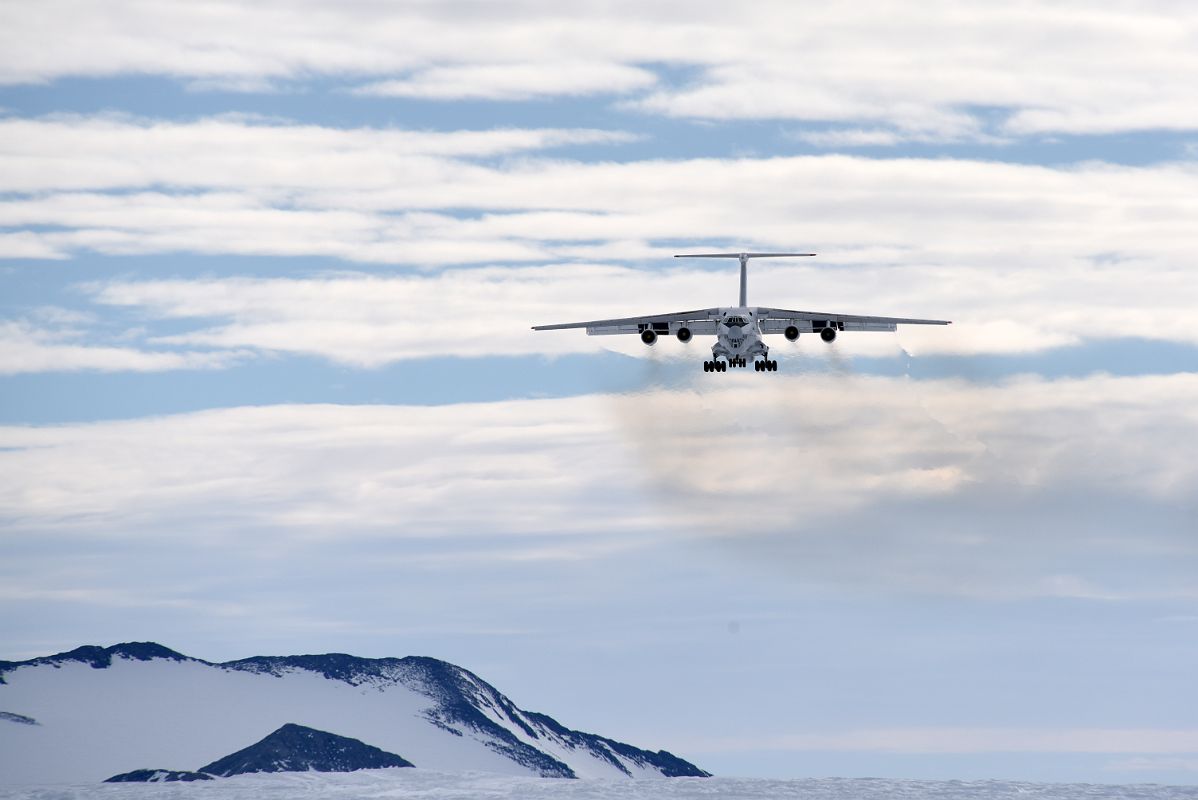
(94, 712)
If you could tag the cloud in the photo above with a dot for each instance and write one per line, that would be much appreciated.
(115, 152)
(514, 81)
(928, 487)
(25, 348)
(832, 138)
(403, 469)
(1151, 764)
(851, 137)
(26, 244)
(979, 740)
(109, 597)
(1077, 67)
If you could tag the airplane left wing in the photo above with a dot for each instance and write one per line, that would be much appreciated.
(703, 321)
(777, 320)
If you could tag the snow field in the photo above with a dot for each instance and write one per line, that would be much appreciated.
(419, 784)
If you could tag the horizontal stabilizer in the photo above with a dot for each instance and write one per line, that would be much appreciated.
(740, 255)
(744, 263)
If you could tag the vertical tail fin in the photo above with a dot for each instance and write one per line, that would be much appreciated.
(744, 264)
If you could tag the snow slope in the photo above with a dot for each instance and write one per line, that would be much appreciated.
(103, 711)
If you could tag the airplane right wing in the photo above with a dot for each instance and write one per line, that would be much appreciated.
(703, 321)
(776, 320)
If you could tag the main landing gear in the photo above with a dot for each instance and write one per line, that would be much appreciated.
(722, 366)
(764, 365)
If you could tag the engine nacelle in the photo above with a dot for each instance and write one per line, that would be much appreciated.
(791, 333)
(684, 334)
(828, 334)
(648, 337)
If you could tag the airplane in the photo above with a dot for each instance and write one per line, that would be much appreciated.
(740, 329)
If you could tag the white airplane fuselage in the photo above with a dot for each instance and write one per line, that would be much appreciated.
(738, 335)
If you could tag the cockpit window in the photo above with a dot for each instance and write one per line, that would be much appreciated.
(734, 322)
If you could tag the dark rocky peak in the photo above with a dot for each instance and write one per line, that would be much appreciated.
(158, 776)
(295, 748)
(334, 666)
(99, 657)
(146, 651)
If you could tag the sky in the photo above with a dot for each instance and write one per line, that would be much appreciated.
(268, 384)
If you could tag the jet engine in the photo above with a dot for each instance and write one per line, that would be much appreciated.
(648, 337)
(684, 334)
(791, 333)
(828, 334)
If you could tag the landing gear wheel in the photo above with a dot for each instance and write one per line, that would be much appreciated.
(723, 366)
(707, 366)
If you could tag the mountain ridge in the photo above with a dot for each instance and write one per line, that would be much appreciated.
(463, 719)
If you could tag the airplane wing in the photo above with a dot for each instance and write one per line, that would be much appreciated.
(777, 320)
(698, 322)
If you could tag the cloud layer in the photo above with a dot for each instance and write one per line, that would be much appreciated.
(1021, 257)
(1070, 67)
(937, 487)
